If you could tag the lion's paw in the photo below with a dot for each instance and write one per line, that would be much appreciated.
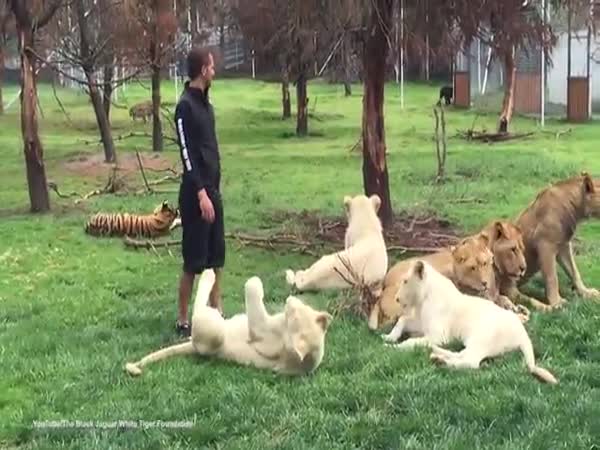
(290, 277)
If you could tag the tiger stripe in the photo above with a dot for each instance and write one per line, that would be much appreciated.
(126, 224)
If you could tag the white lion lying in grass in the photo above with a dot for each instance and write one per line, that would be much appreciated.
(433, 307)
(364, 259)
(291, 342)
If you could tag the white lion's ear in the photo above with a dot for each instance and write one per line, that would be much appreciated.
(419, 269)
(324, 320)
(376, 201)
(347, 201)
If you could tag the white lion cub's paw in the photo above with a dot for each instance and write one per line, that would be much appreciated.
(389, 337)
(290, 277)
(176, 223)
(208, 276)
(590, 293)
(254, 288)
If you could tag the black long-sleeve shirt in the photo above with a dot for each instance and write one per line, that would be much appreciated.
(197, 138)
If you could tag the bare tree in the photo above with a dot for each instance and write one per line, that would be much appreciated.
(6, 29)
(284, 31)
(158, 25)
(31, 16)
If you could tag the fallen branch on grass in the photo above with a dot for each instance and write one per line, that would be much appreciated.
(148, 244)
(559, 133)
(466, 200)
(362, 304)
(471, 135)
(300, 246)
(52, 185)
(130, 135)
(356, 145)
(113, 185)
(148, 184)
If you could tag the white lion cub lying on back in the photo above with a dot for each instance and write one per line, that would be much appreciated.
(291, 342)
(365, 252)
(433, 307)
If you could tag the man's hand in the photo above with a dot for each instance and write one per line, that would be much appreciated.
(206, 206)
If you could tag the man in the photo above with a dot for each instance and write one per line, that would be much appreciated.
(203, 242)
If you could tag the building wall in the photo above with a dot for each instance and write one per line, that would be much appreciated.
(557, 74)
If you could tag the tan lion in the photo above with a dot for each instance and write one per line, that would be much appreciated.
(141, 110)
(548, 225)
(468, 265)
(482, 264)
(506, 243)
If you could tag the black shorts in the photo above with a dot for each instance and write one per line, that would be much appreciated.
(203, 243)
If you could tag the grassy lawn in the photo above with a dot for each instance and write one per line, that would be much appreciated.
(74, 309)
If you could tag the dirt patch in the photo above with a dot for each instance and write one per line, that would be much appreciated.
(94, 165)
(409, 233)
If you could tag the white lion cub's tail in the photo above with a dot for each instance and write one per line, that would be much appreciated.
(540, 373)
(178, 349)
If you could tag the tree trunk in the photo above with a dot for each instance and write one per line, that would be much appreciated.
(346, 64)
(375, 173)
(222, 35)
(109, 73)
(302, 106)
(157, 138)
(101, 119)
(88, 69)
(508, 103)
(32, 146)
(1, 76)
(285, 94)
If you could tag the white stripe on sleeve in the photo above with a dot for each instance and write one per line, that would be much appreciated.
(184, 150)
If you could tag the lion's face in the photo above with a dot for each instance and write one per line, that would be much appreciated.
(509, 250)
(473, 265)
(591, 189)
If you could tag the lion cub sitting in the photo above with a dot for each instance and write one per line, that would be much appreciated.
(291, 342)
(364, 258)
(433, 307)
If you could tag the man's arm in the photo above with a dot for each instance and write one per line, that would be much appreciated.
(187, 147)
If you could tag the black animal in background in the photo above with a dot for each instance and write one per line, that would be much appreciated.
(446, 92)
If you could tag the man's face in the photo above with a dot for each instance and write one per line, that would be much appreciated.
(208, 71)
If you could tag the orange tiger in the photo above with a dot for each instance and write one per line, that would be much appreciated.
(124, 224)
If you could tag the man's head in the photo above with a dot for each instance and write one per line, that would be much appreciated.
(201, 66)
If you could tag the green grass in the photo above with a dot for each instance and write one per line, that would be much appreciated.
(74, 309)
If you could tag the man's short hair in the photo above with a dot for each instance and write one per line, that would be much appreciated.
(197, 58)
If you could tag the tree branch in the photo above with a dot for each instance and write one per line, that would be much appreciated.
(48, 14)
